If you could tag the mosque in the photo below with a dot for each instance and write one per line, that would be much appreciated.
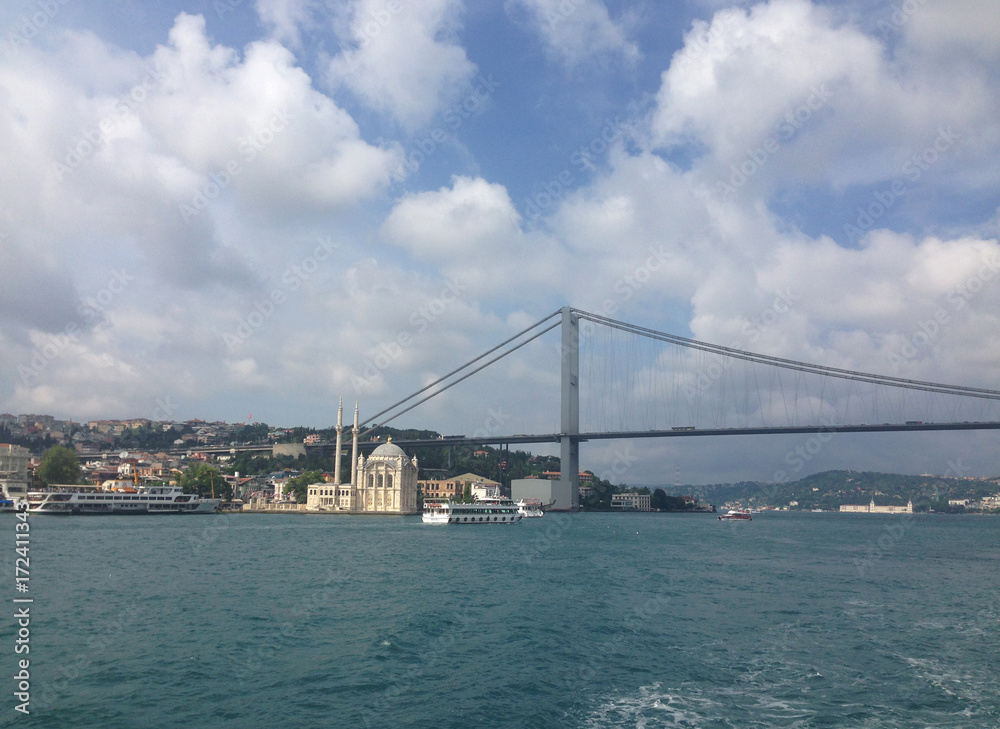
(383, 483)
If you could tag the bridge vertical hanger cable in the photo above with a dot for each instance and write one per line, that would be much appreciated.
(794, 364)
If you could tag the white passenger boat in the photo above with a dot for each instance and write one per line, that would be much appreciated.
(140, 500)
(530, 508)
(488, 511)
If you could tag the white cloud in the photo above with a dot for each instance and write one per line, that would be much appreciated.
(402, 59)
(285, 18)
(949, 32)
(816, 99)
(109, 147)
(576, 31)
(471, 231)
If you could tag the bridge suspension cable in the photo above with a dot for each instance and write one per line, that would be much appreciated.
(792, 364)
(455, 371)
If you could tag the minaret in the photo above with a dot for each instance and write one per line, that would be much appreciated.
(354, 448)
(340, 430)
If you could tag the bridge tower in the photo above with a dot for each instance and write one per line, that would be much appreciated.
(569, 441)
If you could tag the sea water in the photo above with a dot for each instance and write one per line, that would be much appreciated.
(585, 620)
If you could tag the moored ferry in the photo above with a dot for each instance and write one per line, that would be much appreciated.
(141, 500)
(488, 511)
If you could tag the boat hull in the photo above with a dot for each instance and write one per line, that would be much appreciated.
(158, 500)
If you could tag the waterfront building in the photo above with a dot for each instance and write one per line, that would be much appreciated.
(388, 481)
(14, 471)
(555, 494)
(631, 502)
(482, 491)
(873, 509)
(453, 488)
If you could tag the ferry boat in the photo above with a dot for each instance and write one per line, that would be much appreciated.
(737, 515)
(488, 511)
(530, 508)
(141, 500)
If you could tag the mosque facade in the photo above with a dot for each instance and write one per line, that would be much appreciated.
(383, 483)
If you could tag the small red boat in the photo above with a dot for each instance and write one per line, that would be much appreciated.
(738, 515)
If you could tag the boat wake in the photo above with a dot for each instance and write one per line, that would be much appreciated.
(694, 708)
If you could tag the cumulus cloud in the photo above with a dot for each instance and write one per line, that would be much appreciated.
(402, 59)
(576, 31)
(472, 231)
(132, 182)
(815, 99)
(285, 18)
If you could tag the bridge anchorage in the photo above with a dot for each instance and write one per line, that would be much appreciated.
(664, 381)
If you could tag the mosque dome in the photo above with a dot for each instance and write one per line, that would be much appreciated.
(388, 450)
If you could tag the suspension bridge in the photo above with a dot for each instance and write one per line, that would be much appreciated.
(680, 388)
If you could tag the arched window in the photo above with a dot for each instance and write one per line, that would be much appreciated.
(380, 480)
(371, 480)
(388, 480)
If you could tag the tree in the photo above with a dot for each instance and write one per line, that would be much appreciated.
(204, 480)
(658, 500)
(299, 486)
(59, 465)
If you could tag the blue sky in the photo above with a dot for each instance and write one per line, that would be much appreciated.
(237, 208)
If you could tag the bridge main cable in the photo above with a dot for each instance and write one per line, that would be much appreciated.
(459, 369)
(793, 364)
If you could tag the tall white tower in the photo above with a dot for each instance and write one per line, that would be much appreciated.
(354, 448)
(340, 430)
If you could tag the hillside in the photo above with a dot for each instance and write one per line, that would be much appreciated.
(830, 489)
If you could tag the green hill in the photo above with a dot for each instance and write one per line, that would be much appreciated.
(830, 489)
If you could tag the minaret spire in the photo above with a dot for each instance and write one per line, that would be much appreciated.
(354, 448)
(340, 430)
